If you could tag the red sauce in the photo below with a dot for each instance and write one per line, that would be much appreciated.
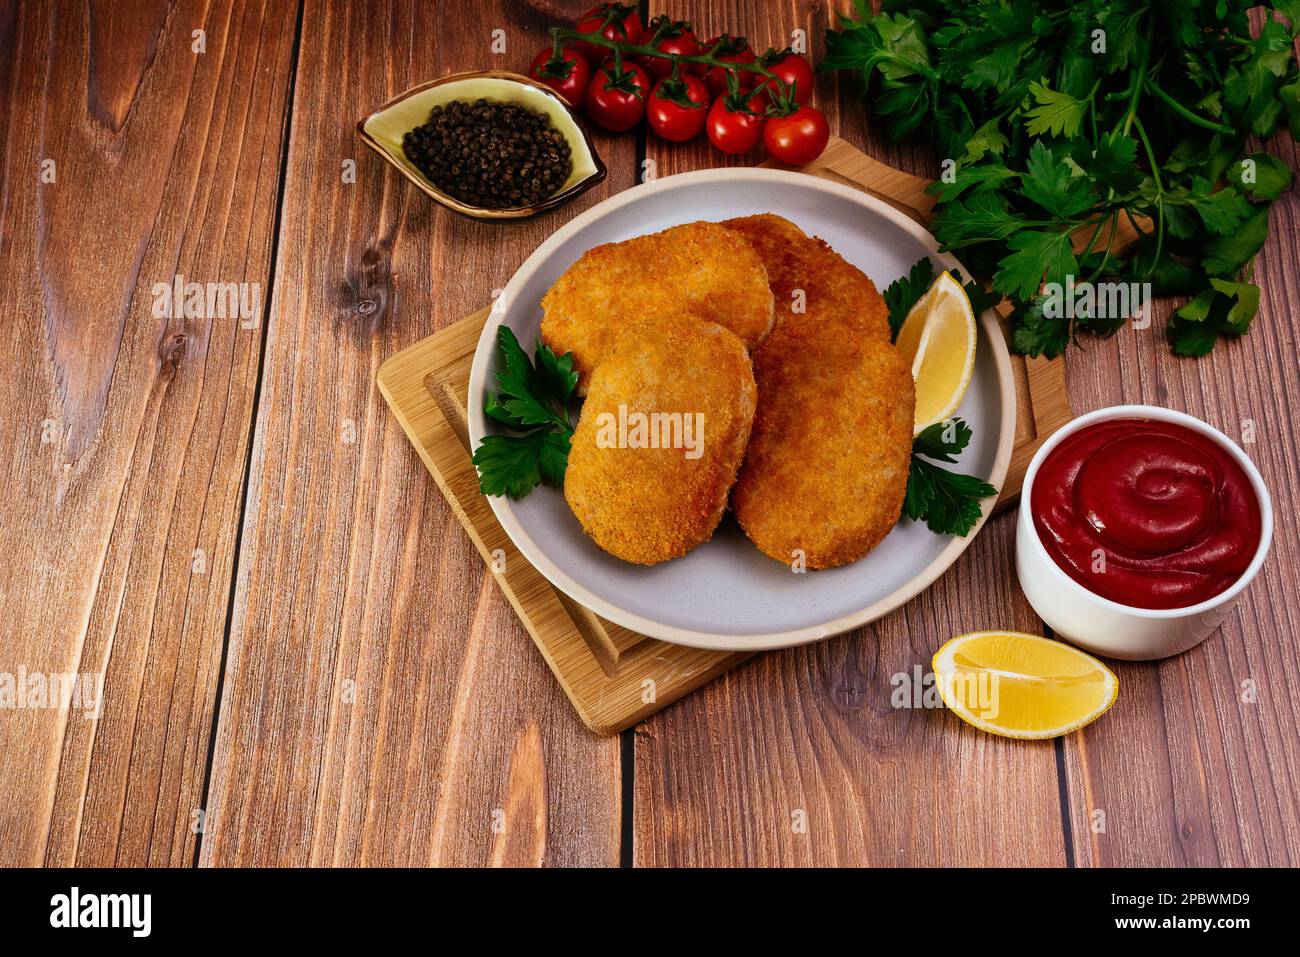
(1173, 514)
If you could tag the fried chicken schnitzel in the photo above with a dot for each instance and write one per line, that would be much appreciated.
(834, 290)
(701, 267)
(826, 468)
(661, 437)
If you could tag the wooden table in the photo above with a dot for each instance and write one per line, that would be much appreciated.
(305, 661)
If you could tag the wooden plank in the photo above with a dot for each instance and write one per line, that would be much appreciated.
(129, 433)
(1190, 767)
(799, 757)
(382, 705)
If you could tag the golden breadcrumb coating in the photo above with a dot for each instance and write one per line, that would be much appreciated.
(701, 267)
(648, 505)
(833, 288)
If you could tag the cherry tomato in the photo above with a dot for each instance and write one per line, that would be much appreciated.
(678, 40)
(569, 77)
(732, 130)
(733, 50)
(792, 70)
(617, 102)
(613, 21)
(670, 117)
(798, 138)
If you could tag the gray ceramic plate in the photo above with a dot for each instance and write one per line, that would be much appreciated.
(726, 594)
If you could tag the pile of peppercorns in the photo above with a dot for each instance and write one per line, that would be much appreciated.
(491, 155)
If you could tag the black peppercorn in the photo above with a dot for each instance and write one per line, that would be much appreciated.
(490, 155)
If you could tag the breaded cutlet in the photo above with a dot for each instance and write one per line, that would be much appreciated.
(647, 504)
(826, 468)
(834, 289)
(701, 267)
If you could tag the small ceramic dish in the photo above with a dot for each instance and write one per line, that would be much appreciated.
(1106, 627)
(383, 130)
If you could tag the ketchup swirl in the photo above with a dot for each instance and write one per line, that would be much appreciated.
(1149, 514)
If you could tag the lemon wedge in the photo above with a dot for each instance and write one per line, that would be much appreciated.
(1022, 686)
(938, 340)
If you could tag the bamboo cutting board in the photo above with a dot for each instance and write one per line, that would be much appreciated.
(613, 676)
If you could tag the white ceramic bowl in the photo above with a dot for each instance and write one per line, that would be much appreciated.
(726, 594)
(1106, 627)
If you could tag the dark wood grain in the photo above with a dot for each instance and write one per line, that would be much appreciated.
(723, 776)
(118, 557)
(1185, 770)
(382, 703)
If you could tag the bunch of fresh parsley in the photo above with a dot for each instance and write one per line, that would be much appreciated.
(1062, 116)
(948, 502)
(534, 405)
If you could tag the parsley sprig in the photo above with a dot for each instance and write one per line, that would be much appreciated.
(533, 403)
(1065, 118)
(950, 503)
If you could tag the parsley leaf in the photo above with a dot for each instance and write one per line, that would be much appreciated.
(1225, 309)
(1034, 254)
(950, 503)
(895, 47)
(1227, 254)
(1113, 162)
(969, 178)
(1222, 211)
(981, 218)
(509, 464)
(987, 139)
(1037, 334)
(980, 298)
(906, 291)
(532, 404)
(553, 456)
(1057, 113)
(1191, 338)
(1049, 183)
(531, 396)
(943, 440)
(1260, 176)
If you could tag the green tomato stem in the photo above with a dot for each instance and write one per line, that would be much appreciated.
(649, 49)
